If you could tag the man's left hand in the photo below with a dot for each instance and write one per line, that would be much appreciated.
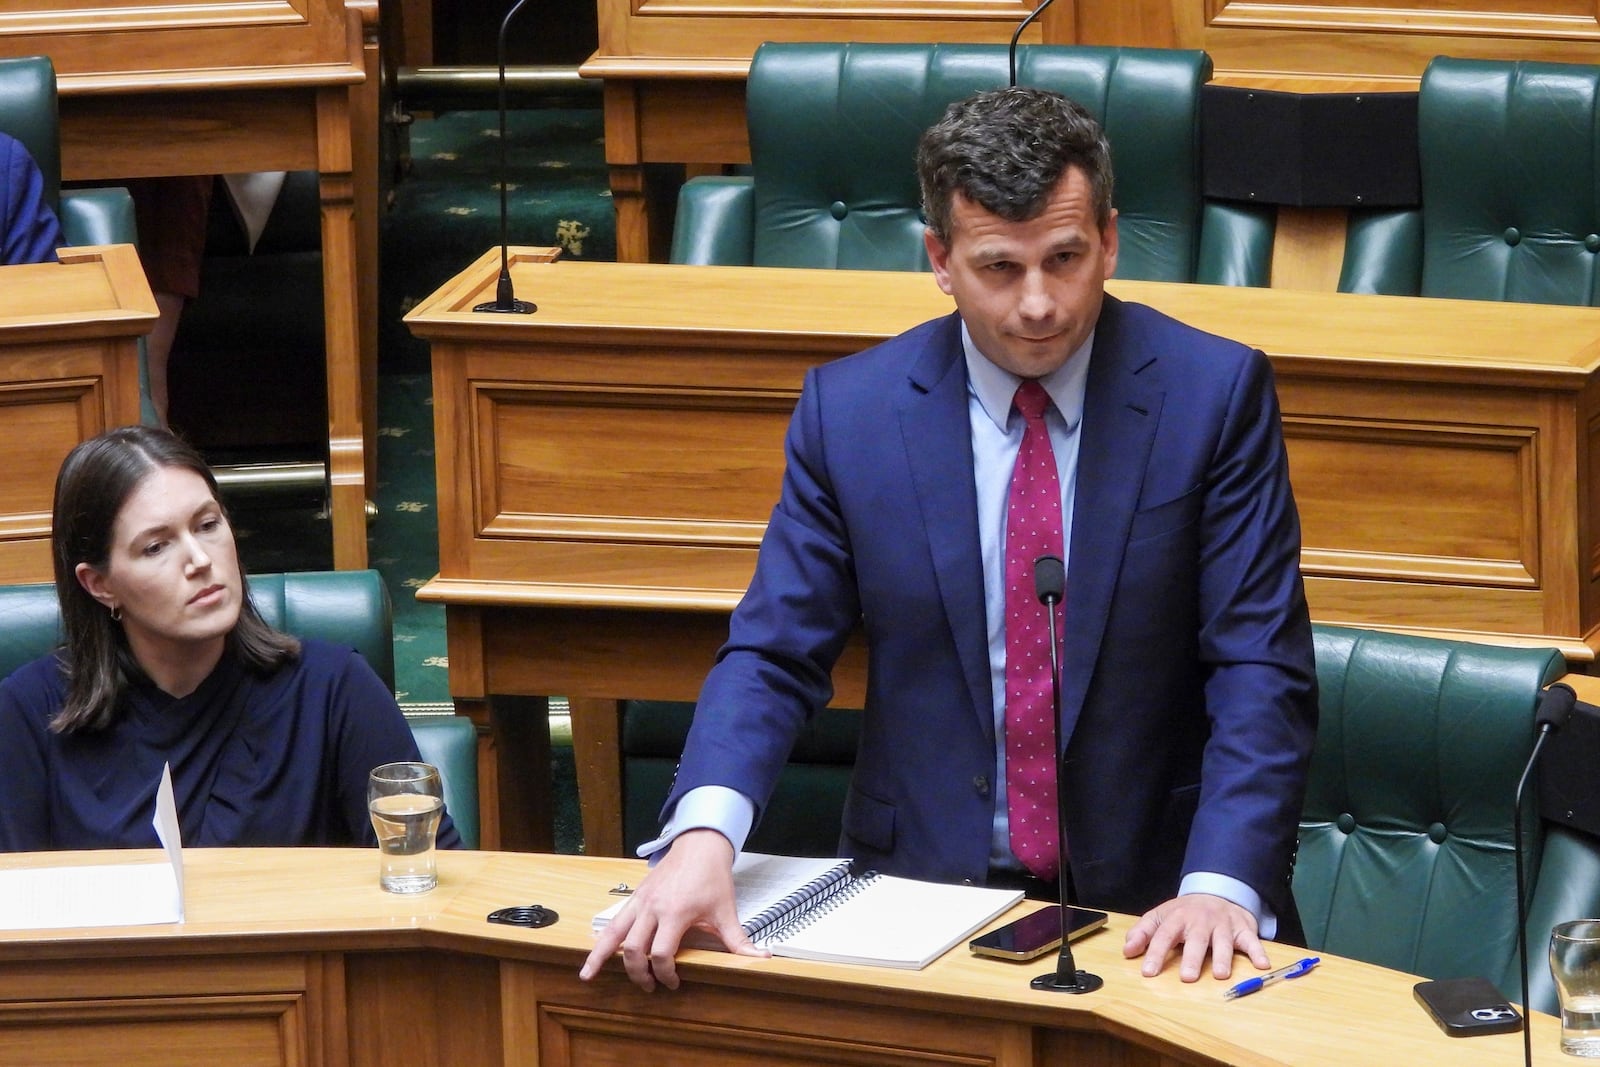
(1200, 923)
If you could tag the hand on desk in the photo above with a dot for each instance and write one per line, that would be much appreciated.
(690, 890)
(1201, 923)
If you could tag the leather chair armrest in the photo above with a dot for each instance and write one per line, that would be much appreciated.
(450, 743)
(1383, 253)
(1236, 244)
(716, 222)
(1566, 885)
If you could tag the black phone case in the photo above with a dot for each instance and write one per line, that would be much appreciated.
(1465, 1007)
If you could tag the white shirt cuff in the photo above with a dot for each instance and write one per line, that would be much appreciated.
(1220, 885)
(705, 807)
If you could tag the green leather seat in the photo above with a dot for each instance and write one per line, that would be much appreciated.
(1510, 156)
(346, 607)
(833, 132)
(1406, 841)
(803, 816)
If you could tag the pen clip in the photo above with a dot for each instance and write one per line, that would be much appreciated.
(1305, 965)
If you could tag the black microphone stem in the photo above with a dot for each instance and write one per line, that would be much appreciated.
(505, 298)
(1555, 707)
(1049, 583)
(1027, 20)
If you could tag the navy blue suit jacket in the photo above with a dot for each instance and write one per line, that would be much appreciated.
(1189, 686)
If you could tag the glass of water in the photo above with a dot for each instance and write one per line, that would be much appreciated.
(405, 801)
(1575, 965)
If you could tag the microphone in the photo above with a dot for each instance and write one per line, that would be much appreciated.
(1050, 585)
(1027, 20)
(1555, 708)
(505, 299)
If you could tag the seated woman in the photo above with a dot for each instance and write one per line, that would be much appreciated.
(29, 232)
(166, 660)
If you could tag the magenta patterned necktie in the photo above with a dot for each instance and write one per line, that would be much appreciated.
(1033, 529)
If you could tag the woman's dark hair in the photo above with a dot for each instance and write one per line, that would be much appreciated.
(95, 481)
(1005, 150)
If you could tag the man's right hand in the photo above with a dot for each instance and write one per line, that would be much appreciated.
(690, 889)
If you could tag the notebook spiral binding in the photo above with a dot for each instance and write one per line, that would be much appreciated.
(810, 903)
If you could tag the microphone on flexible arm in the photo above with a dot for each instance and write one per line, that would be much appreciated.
(1027, 20)
(505, 300)
(1555, 708)
(1050, 585)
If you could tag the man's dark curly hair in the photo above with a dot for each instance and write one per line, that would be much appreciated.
(1005, 150)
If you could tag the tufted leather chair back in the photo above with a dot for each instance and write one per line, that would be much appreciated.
(833, 133)
(1406, 840)
(1510, 155)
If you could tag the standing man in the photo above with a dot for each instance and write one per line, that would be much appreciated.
(923, 478)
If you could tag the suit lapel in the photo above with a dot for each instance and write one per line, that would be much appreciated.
(938, 440)
(1122, 408)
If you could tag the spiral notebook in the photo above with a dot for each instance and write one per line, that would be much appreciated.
(819, 909)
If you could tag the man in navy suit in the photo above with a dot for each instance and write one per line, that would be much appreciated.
(1188, 704)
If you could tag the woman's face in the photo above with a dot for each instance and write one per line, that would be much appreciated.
(173, 571)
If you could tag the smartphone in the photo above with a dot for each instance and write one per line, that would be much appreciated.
(1035, 934)
(1465, 1007)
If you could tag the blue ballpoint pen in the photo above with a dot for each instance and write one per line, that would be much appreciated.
(1250, 985)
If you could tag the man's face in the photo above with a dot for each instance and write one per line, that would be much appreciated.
(1029, 292)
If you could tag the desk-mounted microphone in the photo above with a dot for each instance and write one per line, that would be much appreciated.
(1555, 708)
(1027, 21)
(505, 299)
(1050, 584)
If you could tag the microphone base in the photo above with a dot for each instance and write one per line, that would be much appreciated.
(514, 307)
(1077, 982)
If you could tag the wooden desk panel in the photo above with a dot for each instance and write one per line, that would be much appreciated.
(69, 369)
(1441, 461)
(294, 956)
(175, 87)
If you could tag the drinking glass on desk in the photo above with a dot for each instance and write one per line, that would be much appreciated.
(405, 801)
(1575, 965)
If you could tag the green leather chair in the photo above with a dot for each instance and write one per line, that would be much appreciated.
(833, 133)
(1406, 855)
(346, 607)
(804, 814)
(1510, 156)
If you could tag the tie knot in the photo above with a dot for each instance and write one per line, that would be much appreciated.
(1031, 399)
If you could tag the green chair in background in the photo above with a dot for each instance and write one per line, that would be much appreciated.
(344, 607)
(833, 133)
(1510, 156)
(1406, 842)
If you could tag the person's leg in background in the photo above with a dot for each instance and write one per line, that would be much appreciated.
(171, 216)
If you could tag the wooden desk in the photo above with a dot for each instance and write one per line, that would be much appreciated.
(173, 87)
(69, 368)
(606, 468)
(294, 956)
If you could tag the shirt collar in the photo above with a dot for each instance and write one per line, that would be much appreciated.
(995, 387)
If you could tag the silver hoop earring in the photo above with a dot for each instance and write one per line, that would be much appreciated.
(116, 614)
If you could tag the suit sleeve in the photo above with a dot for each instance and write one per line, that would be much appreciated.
(29, 232)
(1255, 651)
(774, 671)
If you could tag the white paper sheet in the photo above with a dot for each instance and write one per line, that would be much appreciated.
(122, 894)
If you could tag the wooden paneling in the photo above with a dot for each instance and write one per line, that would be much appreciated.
(69, 369)
(1345, 45)
(616, 455)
